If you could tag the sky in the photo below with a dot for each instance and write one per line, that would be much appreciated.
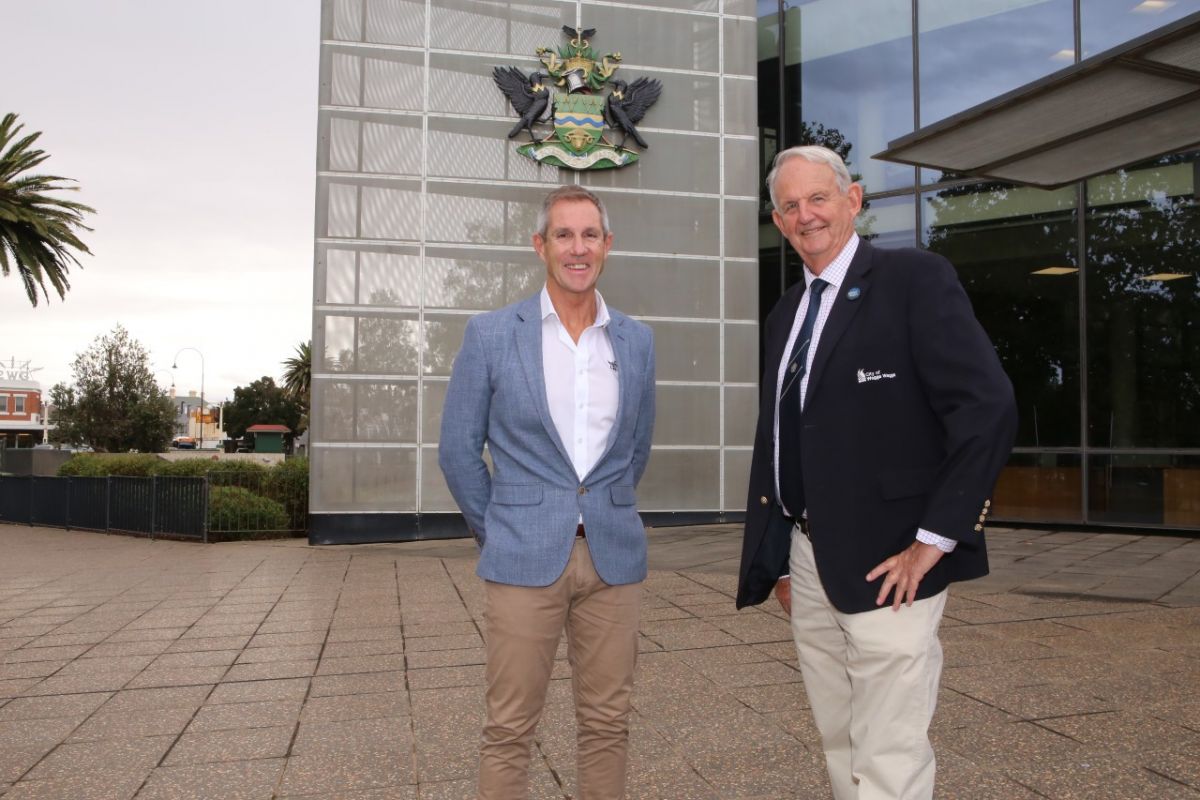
(191, 129)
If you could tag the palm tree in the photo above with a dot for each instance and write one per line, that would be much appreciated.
(297, 378)
(36, 229)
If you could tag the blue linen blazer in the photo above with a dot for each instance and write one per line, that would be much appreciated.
(524, 511)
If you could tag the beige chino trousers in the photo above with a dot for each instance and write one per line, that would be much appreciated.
(523, 627)
(872, 681)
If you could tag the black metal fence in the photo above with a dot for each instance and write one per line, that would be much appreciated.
(223, 505)
(151, 506)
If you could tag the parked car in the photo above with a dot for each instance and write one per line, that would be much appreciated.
(183, 443)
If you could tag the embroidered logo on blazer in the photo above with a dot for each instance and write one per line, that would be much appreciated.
(868, 375)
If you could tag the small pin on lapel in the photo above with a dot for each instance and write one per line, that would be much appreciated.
(854, 293)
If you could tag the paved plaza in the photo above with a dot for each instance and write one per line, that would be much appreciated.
(162, 669)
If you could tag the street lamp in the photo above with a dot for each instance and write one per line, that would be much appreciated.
(174, 365)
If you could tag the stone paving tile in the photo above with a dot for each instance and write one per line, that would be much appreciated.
(234, 744)
(337, 708)
(357, 683)
(390, 735)
(200, 658)
(176, 676)
(293, 689)
(133, 722)
(195, 645)
(261, 714)
(1102, 779)
(342, 773)
(94, 785)
(116, 754)
(71, 705)
(237, 780)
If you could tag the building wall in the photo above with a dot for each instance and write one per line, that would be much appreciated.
(27, 400)
(424, 218)
(1090, 292)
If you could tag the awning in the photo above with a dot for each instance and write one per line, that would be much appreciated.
(1123, 106)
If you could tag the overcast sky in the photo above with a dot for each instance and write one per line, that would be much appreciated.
(191, 129)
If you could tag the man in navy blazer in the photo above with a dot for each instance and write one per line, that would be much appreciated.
(885, 420)
(561, 390)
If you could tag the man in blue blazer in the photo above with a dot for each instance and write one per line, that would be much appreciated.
(561, 390)
(885, 420)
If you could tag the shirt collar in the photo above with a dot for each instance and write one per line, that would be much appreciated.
(835, 272)
(602, 317)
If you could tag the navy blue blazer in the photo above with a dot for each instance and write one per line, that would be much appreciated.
(907, 422)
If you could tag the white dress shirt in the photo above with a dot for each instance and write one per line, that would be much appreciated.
(834, 274)
(581, 384)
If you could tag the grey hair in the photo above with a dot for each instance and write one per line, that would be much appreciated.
(815, 154)
(567, 193)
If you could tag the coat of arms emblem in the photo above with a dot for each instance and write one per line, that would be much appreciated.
(570, 93)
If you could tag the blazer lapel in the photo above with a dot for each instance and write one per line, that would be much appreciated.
(529, 348)
(774, 349)
(840, 316)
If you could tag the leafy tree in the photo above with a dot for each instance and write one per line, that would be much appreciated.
(297, 379)
(37, 231)
(261, 403)
(114, 404)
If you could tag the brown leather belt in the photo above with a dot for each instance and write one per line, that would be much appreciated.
(579, 532)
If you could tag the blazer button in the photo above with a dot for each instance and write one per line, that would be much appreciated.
(763, 500)
(978, 527)
(583, 490)
(983, 517)
(987, 503)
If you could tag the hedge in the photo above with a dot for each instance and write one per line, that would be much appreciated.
(236, 513)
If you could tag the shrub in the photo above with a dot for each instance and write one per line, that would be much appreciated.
(186, 468)
(287, 484)
(236, 513)
(237, 473)
(99, 465)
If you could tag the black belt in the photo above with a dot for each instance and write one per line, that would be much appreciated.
(579, 532)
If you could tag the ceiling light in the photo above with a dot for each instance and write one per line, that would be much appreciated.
(1165, 276)
(1152, 6)
(1055, 271)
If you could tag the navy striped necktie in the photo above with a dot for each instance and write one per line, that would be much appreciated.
(791, 473)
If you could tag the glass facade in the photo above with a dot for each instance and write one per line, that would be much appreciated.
(424, 217)
(1091, 292)
(424, 214)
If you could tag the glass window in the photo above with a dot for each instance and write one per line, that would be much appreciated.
(1145, 489)
(849, 86)
(1015, 251)
(971, 52)
(1046, 487)
(3, 404)
(1107, 23)
(1143, 310)
(888, 222)
(19, 404)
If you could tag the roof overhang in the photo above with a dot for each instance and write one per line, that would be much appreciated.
(1135, 102)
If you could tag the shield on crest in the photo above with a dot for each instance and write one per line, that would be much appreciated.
(578, 120)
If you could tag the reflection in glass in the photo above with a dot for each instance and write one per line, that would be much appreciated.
(971, 52)
(1046, 487)
(849, 86)
(387, 345)
(888, 222)
(1015, 252)
(1143, 290)
(1145, 489)
(1108, 23)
